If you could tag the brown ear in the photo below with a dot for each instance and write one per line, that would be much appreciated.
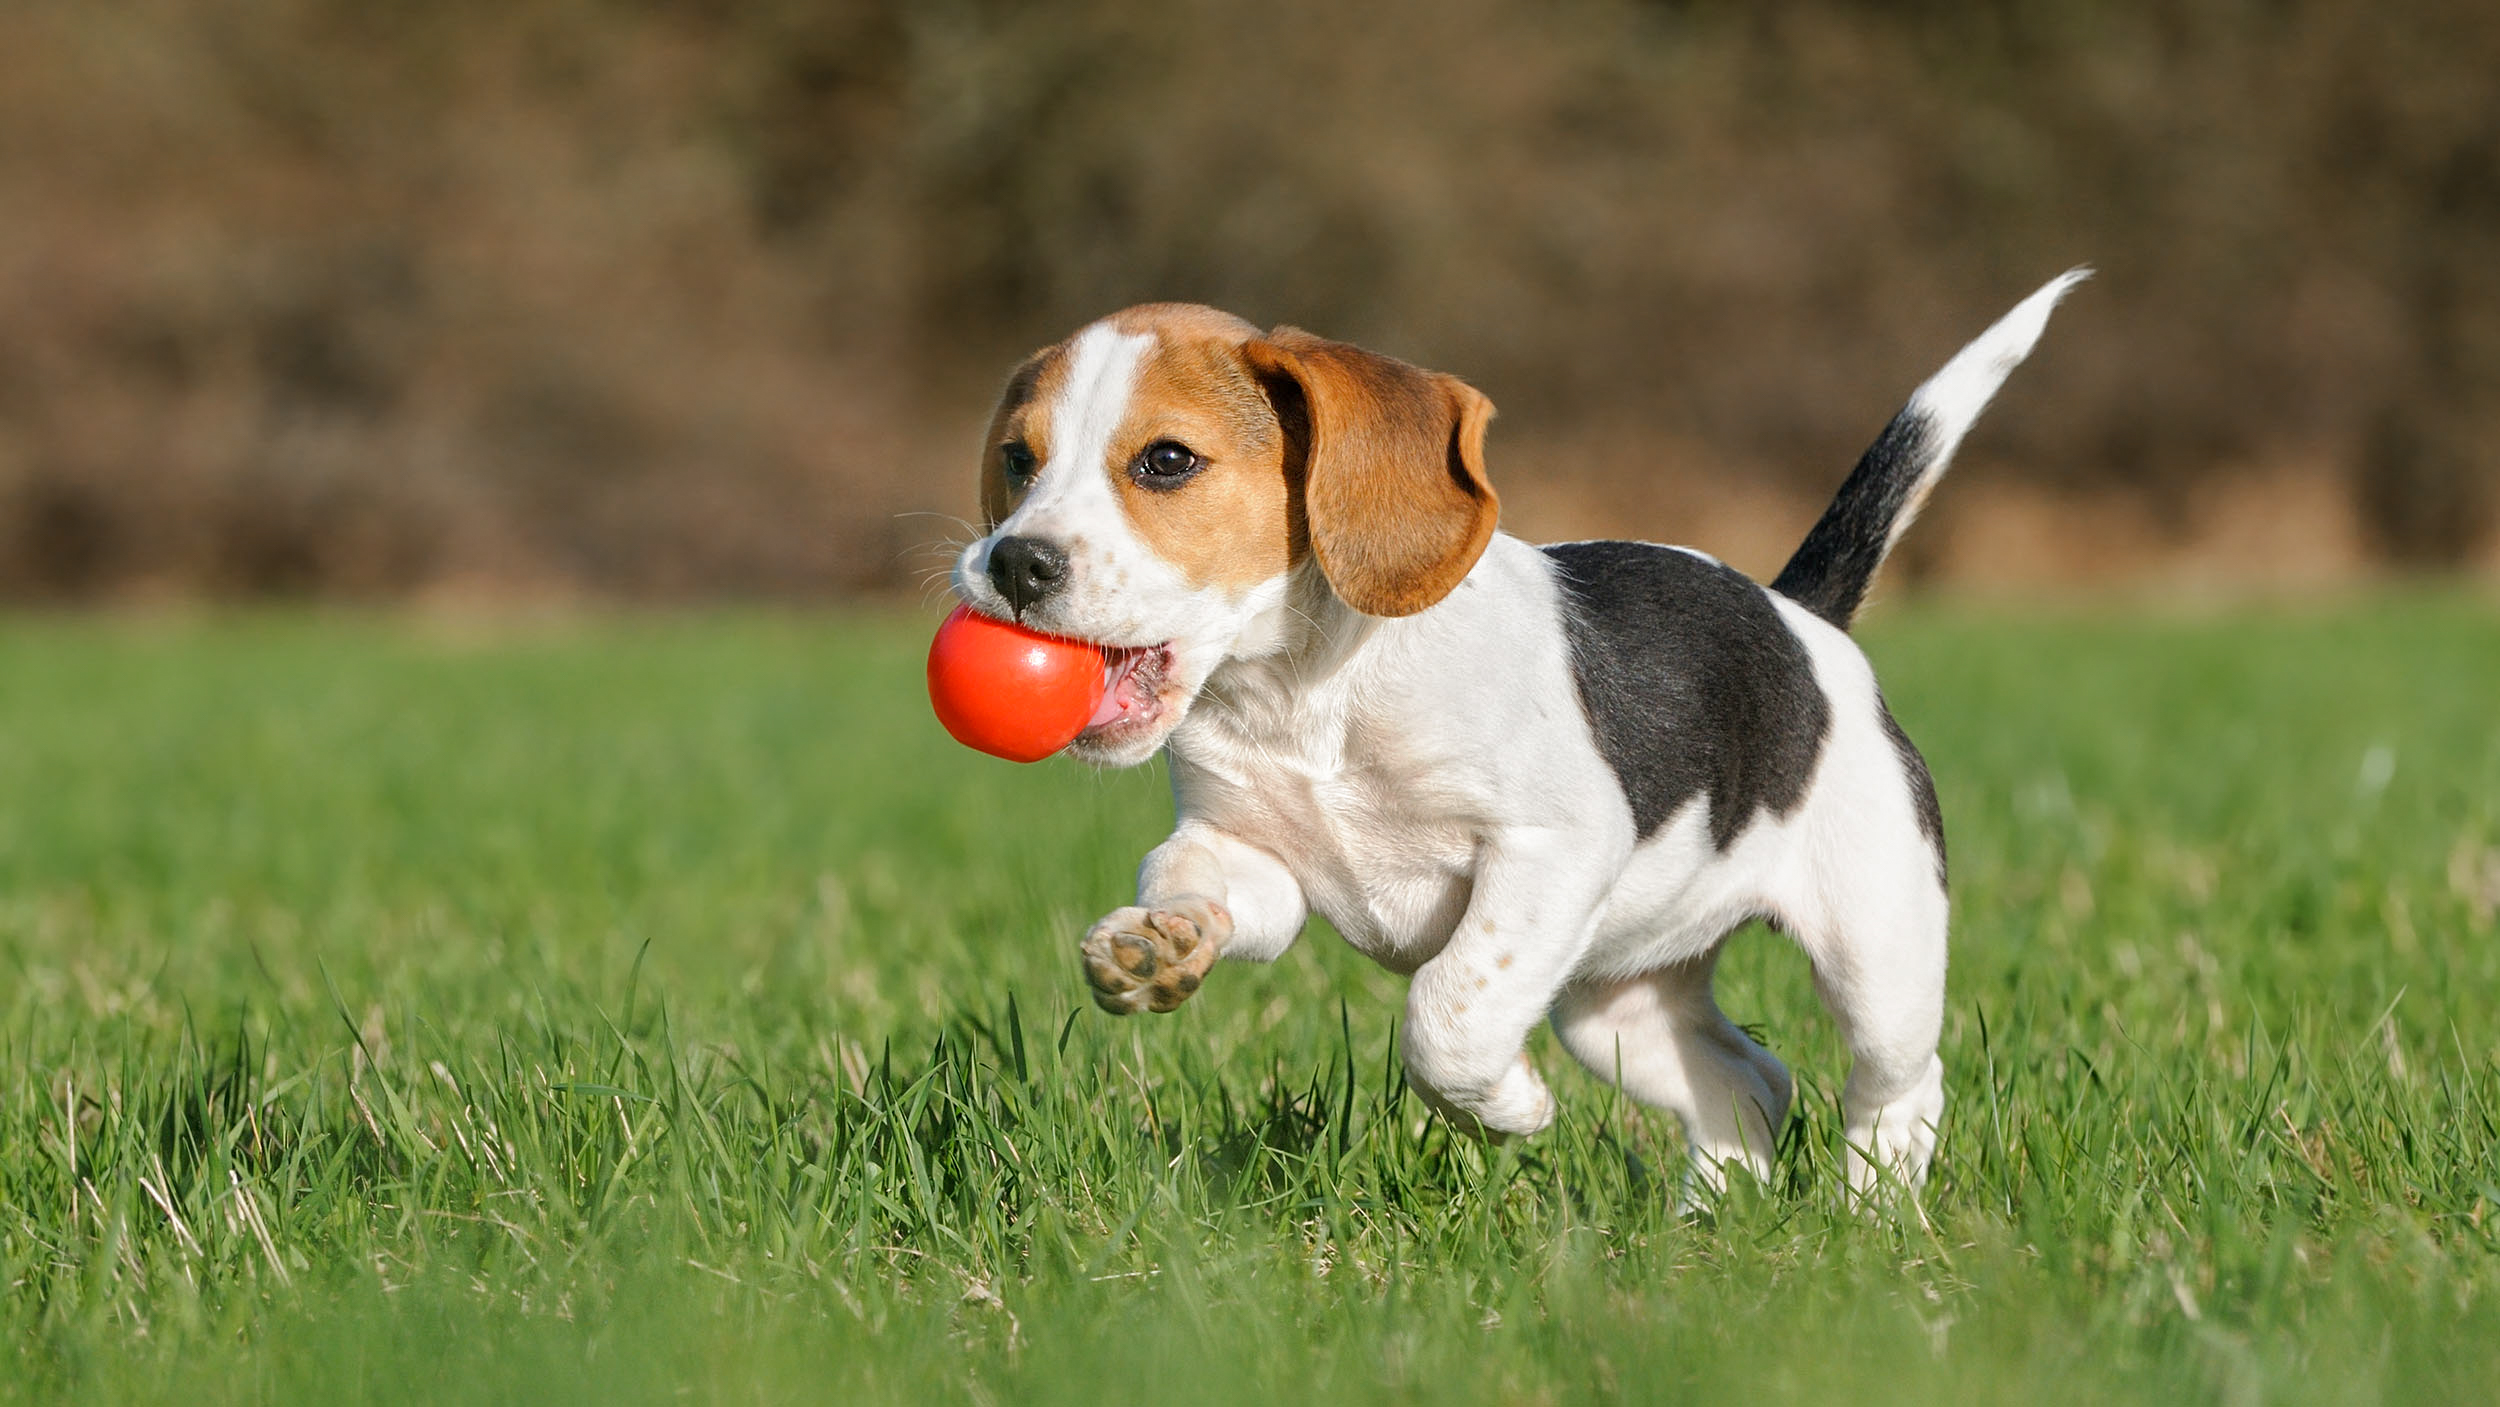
(1392, 462)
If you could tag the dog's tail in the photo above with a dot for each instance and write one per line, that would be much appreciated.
(1834, 565)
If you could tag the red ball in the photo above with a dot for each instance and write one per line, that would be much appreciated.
(1008, 691)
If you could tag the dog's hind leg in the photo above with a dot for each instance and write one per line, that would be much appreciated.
(1879, 964)
(1663, 1039)
(1885, 989)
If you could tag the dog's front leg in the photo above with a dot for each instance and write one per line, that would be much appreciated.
(1200, 894)
(1470, 1009)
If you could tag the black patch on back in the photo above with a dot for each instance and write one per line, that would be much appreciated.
(1692, 683)
(1922, 786)
(1836, 563)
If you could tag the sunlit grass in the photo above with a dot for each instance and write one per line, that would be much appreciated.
(644, 1009)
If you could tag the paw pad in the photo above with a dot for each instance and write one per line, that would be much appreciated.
(1150, 959)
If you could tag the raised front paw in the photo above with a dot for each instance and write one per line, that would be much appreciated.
(1153, 959)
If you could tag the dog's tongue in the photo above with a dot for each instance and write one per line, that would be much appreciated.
(1121, 698)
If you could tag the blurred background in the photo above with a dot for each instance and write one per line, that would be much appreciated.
(671, 299)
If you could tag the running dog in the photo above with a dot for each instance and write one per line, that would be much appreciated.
(1542, 781)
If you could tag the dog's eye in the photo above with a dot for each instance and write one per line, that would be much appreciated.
(1165, 463)
(1017, 456)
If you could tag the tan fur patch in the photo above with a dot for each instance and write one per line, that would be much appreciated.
(1309, 446)
(1238, 521)
(1023, 414)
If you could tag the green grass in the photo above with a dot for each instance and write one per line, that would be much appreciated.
(664, 1009)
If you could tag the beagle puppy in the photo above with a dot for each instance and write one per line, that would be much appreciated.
(1542, 782)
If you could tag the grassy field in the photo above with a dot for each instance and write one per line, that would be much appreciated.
(659, 1010)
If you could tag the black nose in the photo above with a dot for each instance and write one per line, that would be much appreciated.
(1026, 569)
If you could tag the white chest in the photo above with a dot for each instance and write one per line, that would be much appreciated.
(1377, 852)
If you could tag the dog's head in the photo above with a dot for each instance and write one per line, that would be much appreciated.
(1153, 483)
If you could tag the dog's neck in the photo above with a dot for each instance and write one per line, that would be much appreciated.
(1281, 667)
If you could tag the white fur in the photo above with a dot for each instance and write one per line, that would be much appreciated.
(1456, 821)
(1952, 399)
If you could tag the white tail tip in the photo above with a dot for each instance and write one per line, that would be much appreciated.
(1954, 396)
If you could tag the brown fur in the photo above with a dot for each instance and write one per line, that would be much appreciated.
(1395, 496)
(1239, 521)
(1310, 446)
(1023, 413)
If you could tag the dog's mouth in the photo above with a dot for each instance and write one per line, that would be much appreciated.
(1132, 695)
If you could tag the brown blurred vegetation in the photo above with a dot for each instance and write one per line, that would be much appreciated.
(687, 297)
